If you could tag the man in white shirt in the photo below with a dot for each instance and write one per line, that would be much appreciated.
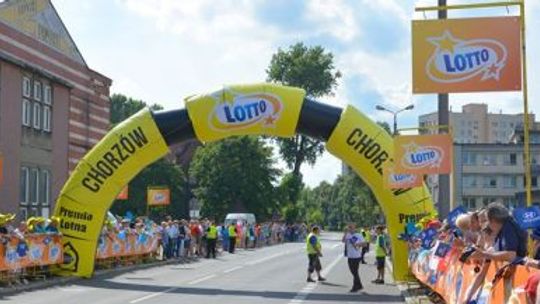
(353, 251)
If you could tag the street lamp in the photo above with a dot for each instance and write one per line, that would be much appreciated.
(395, 113)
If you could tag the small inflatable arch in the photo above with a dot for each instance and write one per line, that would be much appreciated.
(265, 109)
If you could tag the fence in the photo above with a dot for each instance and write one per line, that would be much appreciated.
(451, 278)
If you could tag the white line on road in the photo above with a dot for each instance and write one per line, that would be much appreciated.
(202, 279)
(267, 258)
(155, 294)
(335, 246)
(233, 269)
(302, 294)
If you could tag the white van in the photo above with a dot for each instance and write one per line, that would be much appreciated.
(243, 217)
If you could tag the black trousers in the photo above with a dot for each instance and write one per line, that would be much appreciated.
(232, 243)
(211, 248)
(364, 251)
(354, 264)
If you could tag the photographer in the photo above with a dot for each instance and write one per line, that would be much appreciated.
(354, 244)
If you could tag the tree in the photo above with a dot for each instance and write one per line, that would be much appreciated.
(160, 173)
(385, 126)
(312, 69)
(235, 175)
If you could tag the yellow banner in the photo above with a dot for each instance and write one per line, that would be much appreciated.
(95, 182)
(466, 55)
(263, 109)
(367, 148)
(158, 196)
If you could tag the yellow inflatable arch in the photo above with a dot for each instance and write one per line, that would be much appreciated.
(264, 109)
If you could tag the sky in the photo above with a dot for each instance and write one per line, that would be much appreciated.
(162, 51)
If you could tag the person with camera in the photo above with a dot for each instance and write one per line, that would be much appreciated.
(354, 251)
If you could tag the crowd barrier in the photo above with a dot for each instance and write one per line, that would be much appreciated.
(114, 245)
(451, 278)
(36, 250)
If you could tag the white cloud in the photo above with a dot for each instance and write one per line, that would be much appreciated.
(333, 17)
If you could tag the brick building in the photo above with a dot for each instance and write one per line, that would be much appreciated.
(53, 107)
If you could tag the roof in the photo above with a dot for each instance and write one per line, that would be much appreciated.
(40, 20)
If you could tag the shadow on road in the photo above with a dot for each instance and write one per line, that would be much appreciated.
(335, 297)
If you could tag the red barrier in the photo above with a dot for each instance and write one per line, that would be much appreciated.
(451, 278)
(35, 250)
(113, 245)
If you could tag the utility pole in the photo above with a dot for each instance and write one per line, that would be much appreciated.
(443, 201)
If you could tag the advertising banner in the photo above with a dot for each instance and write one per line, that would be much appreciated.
(527, 217)
(423, 154)
(34, 250)
(466, 55)
(158, 196)
(394, 180)
(263, 109)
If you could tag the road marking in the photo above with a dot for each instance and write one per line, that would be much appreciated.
(267, 258)
(202, 279)
(155, 294)
(233, 269)
(304, 292)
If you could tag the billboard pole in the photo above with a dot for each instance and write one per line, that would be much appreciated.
(444, 197)
(526, 144)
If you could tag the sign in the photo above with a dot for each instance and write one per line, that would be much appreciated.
(527, 218)
(98, 178)
(124, 194)
(466, 55)
(453, 215)
(158, 196)
(263, 109)
(394, 180)
(423, 154)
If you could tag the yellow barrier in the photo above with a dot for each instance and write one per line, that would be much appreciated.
(451, 279)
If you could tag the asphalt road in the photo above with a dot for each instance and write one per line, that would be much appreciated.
(275, 274)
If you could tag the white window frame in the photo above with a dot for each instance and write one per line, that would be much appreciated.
(48, 212)
(36, 109)
(47, 94)
(36, 185)
(26, 113)
(27, 185)
(26, 87)
(47, 115)
(24, 213)
(46, 175)
(38, 90)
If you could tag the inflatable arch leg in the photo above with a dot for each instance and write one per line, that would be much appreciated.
(264, 109)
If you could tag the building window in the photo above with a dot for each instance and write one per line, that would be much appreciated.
(24, 186)
(47, 96)
(47, 119)
(34, 186)
(509, 181)
(469, 158)
(488, 200)
(24, 213)
(37, 116)
(490, 182)
(37, 90)
(489, 160)
(26, 113)
(509, 202)
(510, 159)
(534, 181)
(45, 212)
(45, 187)
(469, 202)
(26, 87)
(469, 181)
(34, 211)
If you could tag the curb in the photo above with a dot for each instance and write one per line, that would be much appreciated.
(406, 289)
(60, 281)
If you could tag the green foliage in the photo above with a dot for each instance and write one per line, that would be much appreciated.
(385, 126)
(161, 173)
(123, 107)
(310, 68)
(235, 175)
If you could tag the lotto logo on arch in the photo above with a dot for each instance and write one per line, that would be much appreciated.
(243, 111)
(423, 154)
(465, 55)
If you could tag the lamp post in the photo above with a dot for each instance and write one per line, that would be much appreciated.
(395, 113)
